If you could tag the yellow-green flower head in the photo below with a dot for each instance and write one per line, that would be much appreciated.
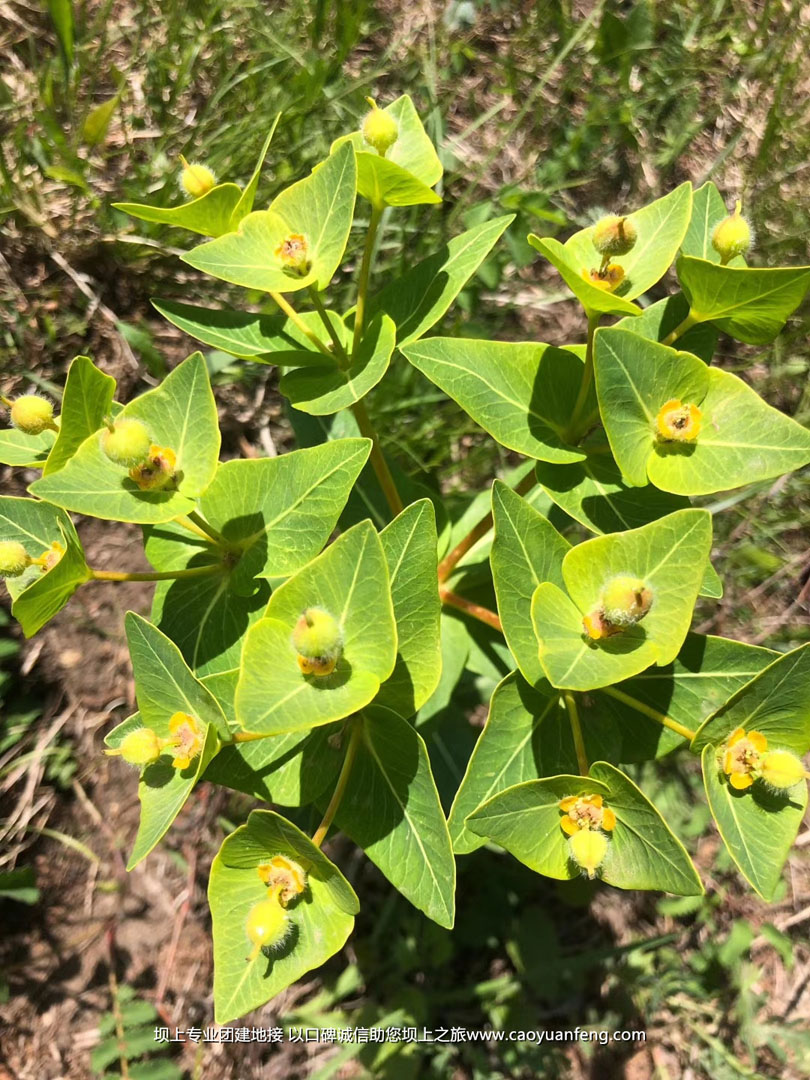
(14, 559)
(32, 414)
(732, 236)
(186, 739)
(196, 179)
(742, 757)
(607, 279)
(127, 443)
(588, 848)
(285, 876)
(585, 812)
(678, 422)
(267, 924)
(626, 600)
(614, 235)
(379, 129)
(317, 639)
(781, 769)
(158, 471)
(140, 747)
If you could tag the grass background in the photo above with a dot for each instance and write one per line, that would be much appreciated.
(553, 111)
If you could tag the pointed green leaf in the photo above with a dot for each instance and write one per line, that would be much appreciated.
(350, 581)
(26, 451)
(418, 299)
(180, 414)
(406, 835)
(269, 338)
(527, 736)
(37, 594)
(413, 151)
(86, 401)
(97, 122)
(708, 210)
(245, 204)
(669, 555)
(322, 917)
(210, 215)
(319, 208)
(750, 304)
(521, 393)
(526, 550)
(409, 544)
(741, 438)
(757, 826)
(326, 388)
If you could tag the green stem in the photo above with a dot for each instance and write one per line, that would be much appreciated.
(690, 321)
(653, 714)
(340, 352)
(209, 530)
(356, 725)
(365, 273)
(294, 317)
(248, 736)
(576, 731)
(156, 575)
(378, 462)
(574, 431)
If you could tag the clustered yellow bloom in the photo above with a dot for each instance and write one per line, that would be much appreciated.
(746, 758)
(294, 254)
(158, 471)
(585, 821)
(678, 422)
(268, 924)
(284, 873)
(186, 739)
(608, 279)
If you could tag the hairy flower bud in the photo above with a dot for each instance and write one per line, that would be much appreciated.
(32, 414)
(140, 747)
(379, 129)
(127, 442)
(732, 236)
(317, 639)
(14, 559)
(588, 848)
(678, 422)
(781, 769)
(267, 925)
(614, 235)
(196, 180)
(625, 601)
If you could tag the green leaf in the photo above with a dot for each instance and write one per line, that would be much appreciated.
(210, 215)
(757, 826)
(320, 208)
(776, 703)
(322, 917)
(326, 388)
(86, 401)
(61, 12)
(180, 414)
(741, 439)
(659, 320)
(526, 550)
(20, 885)
(406, 835)
(750, 304)
(268, 338)
(660, 226)
(413, 151)
(384, 183)
(708, 210)
(97, 122)
(669, 555)
(38, 594)
(701, 678)
(527, 736)
(417, 300)
(281, 511)
(245, 204)
(349, 580)
(26, 451)
(409, 544)
(521, 393)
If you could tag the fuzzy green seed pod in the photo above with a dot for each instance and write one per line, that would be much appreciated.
(317, 640)
(32, 414)
(379, 129)
(614, 235)
(140, 747)
(128, 443)
(781, 769)
(588, 848)
(625, 601)
(732, 236)
(14, 559)
(267, 924)
(196, 180)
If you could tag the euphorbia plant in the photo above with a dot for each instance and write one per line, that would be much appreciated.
(299, 670)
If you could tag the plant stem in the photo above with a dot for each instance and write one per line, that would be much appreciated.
(681, 329)
(294, 317)
(483, 614)
(365, 273)
(340, 352)
(319, 836)
(209, 530)
(156, 575)
(576, 731)
(247, 736)
(647, 710)
(587, 379)
(448, 563)
(192, 528)
(378, 462)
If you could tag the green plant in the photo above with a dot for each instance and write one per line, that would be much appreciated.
(292, 671)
